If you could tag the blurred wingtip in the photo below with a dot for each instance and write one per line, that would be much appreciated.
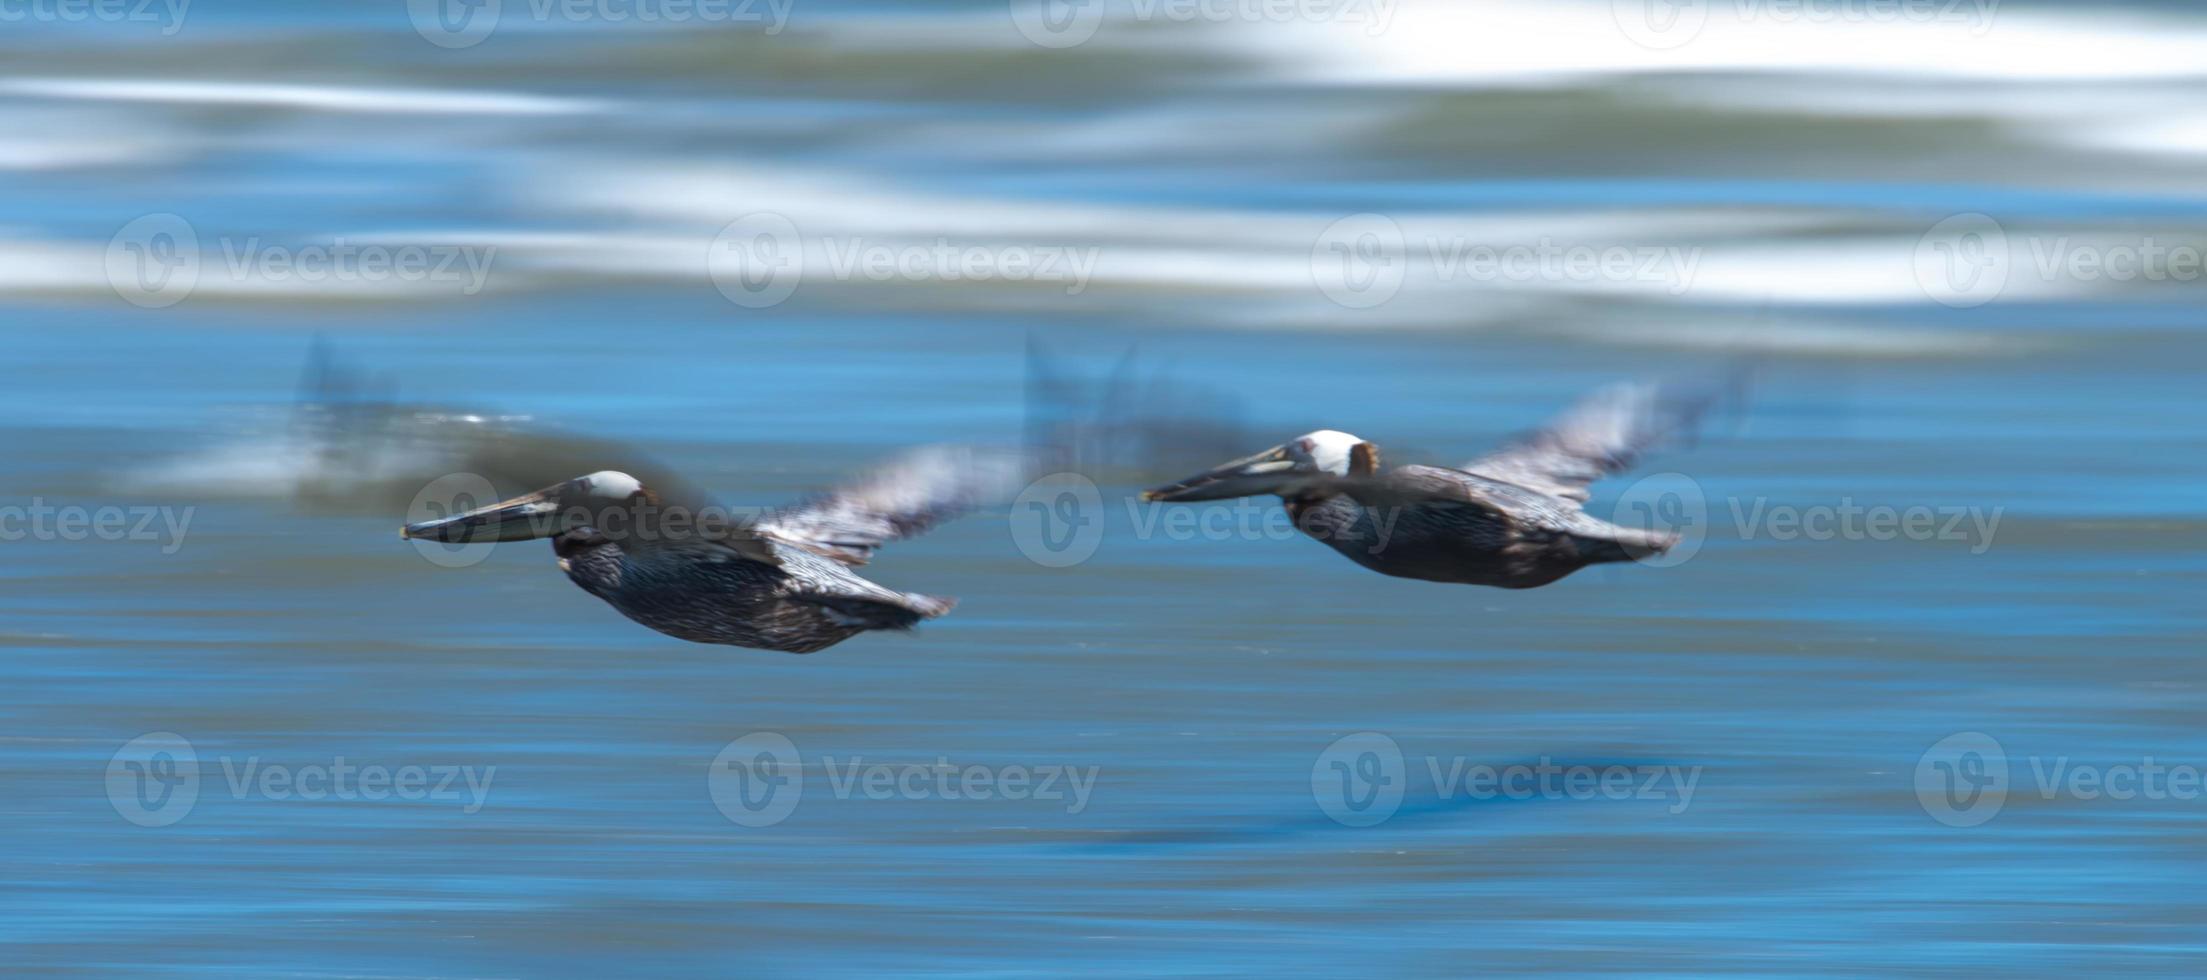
(1130, 420)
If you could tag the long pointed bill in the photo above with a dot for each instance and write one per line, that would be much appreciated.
(1266, 472)
(524, 518)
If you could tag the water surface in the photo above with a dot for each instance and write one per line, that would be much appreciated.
(1800, 681)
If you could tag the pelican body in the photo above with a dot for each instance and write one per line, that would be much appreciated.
(1511, 539)
(798, 602)
(777, 581)
(1513, 519)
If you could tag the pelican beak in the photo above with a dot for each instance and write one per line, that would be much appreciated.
(524, 518)
(1266, 472)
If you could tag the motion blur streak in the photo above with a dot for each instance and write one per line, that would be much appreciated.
(1962, 242)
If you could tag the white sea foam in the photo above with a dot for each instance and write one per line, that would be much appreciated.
(83, 144)
(1513, 42)
(324, 98)
(1218, 265)
(2173, 133)
(281, 467)
(34, 266)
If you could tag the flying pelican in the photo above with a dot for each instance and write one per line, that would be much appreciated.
(776, 581)
(1513, 518)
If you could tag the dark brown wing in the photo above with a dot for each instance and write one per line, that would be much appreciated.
(905, 498)
(1138, 423)
(1431, 486)
(1602, 435)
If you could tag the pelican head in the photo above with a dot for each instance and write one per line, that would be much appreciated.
(1286, 469)
(607, 498)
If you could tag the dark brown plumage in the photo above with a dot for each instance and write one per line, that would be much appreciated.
(1512, 518)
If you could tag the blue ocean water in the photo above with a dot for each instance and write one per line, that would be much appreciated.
(1786, 700)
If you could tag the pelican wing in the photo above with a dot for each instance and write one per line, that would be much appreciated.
(1429, 486)
(900, 500)
(1602, 435)
(1138, 423)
